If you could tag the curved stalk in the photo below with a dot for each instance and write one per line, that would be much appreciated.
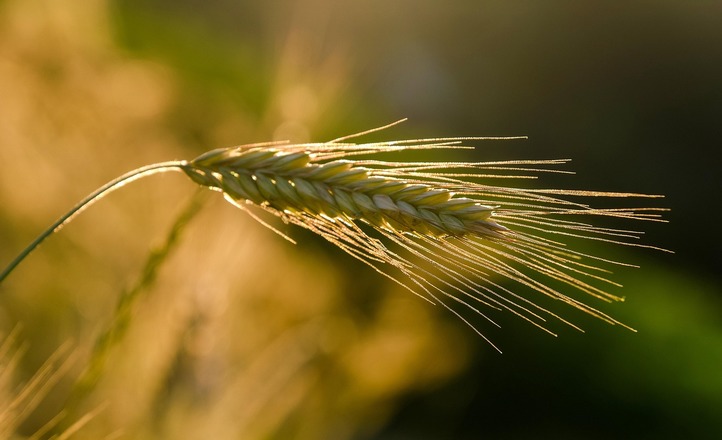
(89, 200)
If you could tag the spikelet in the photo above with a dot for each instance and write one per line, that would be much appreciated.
(431, 227)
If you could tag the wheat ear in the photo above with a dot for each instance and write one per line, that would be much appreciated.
(436, 228)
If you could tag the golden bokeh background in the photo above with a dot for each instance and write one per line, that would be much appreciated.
(183, 318)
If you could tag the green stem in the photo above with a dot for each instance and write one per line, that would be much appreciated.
(89, 200)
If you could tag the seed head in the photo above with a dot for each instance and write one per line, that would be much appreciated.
(439, 229)
(294, 183)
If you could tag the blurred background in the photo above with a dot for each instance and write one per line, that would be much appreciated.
(186, 319)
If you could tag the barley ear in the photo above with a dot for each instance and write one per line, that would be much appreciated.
(443, 230)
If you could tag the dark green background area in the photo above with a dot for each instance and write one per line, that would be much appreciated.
(630, 91)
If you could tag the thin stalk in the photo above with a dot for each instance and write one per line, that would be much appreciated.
(89, 200)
